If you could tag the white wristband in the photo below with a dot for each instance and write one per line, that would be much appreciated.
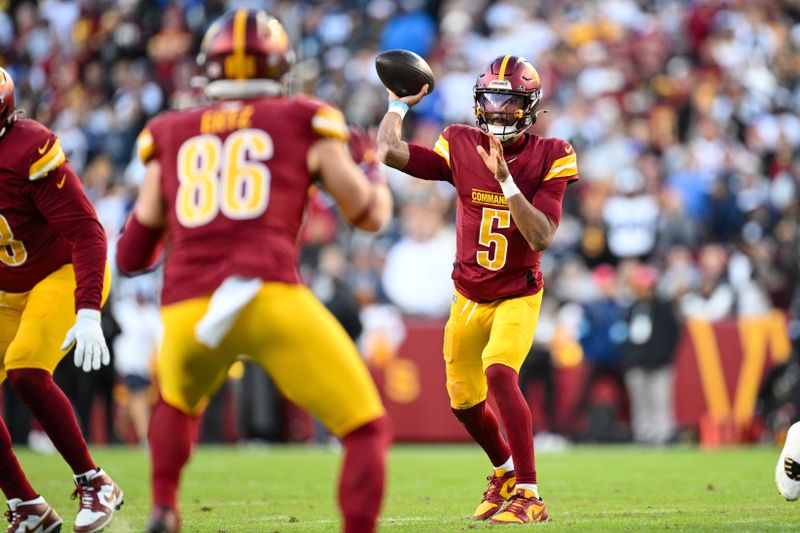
(509, 187)
(398, 107)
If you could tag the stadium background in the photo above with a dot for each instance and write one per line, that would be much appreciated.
(683, 116)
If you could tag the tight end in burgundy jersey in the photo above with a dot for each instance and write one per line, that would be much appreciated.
(235, 184)
(493, 259)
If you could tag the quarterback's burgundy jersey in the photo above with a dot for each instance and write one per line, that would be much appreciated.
(43, 214)
(493, 259)
(235, 185)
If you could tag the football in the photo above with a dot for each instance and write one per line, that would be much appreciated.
(403, 72)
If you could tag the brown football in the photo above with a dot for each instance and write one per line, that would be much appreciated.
(403, 72)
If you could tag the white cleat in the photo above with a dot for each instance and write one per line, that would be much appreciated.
(787, 471)
(100, 497)
(32, 516)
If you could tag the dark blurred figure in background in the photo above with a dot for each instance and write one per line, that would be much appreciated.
(601, 332)
(779, 396)
(653, 333)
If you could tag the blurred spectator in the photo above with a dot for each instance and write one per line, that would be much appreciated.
(418, 262)
(602, 330)
(713, 299)
(139, 319)
(631, 217)
(652, 337)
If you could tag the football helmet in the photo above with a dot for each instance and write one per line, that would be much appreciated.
(7, 115)
(507, 95)
(245, 50)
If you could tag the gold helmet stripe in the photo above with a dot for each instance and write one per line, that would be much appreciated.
(503, 65)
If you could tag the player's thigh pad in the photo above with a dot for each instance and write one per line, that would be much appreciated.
(465, 335)
(189, 372)
(47, 316)
(11, 307)
(513, 328)
(310, 357)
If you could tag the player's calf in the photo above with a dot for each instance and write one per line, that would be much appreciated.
(363, 475)
(32, 516)
(99, 498)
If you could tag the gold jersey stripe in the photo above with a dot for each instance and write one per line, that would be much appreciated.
(145, 145)
(329, 122)
(48, 162)
(563, 167)
(442, 147)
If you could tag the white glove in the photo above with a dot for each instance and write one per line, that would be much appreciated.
(91, 351)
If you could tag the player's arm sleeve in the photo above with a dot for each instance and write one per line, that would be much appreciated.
(427, 164)
(561, 172)
(548, 199)
(139, 248)
(59, 197)
(146, 145)
(564, 165)
(328, 123)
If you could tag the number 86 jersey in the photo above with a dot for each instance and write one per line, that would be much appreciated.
(235, 180)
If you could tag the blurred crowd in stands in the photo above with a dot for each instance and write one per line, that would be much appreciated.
(683, 114)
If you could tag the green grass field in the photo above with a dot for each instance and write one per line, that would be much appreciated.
(435, 489)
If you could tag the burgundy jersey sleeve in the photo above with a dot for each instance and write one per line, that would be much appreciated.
(562, 163)
(427, 164)
(146, 146)
(562, 169)
(549, 197)
(59, 197)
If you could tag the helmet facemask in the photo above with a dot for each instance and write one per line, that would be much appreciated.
(503, 112)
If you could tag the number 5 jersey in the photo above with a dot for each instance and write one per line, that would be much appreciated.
(493, 259)
(232, 189)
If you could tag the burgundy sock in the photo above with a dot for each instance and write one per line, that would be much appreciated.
(481, 423)
(363, 476)
(516, 416)
(13, 482)
(171, 436)
(52, 409)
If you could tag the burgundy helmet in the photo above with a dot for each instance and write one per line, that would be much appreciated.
(245, 44)
(506, 96)
(6, 99)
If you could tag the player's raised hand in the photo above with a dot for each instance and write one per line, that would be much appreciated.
(410, 101)
(494, 160)
(91, 351)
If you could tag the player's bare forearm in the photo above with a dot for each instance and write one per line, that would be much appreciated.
(535, 226)
(389, 132)
(391, 129)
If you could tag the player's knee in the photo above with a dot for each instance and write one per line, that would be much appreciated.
(378, 431)
(500, 376)
(465, 414)
(29, 383)
(462, 396)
